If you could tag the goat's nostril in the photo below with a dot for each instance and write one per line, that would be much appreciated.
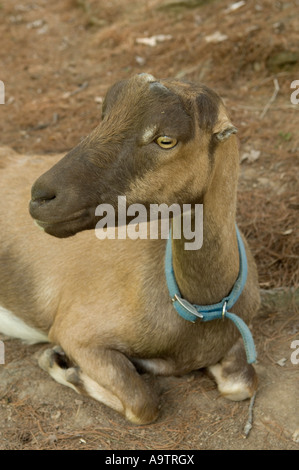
(39, 201)
(40, 196)
(42, 200)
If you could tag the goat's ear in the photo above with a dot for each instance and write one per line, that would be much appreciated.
(112, 96)
(212, 114)
(224, 129)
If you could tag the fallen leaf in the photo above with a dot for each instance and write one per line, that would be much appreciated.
(282, 361)
(235, 6)
(216, 37)
(251, 156)
(154, 40)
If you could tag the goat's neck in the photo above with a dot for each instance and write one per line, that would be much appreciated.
(207, 275)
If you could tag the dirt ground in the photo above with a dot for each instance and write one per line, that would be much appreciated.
(57, 60)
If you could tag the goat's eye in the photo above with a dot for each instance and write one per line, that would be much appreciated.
(166, 142)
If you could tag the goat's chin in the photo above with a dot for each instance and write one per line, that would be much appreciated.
(67, 228)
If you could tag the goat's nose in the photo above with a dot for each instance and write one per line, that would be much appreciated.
(40, 195)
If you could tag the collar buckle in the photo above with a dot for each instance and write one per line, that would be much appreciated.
(186, 305)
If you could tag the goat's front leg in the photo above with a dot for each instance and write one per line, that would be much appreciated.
(107, 376)
(236, 379)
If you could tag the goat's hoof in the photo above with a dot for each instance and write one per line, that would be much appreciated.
(53, 356)
(143, 419)
(47, 359)
(235, 387)
(72, 375)
(236, 379)
(58, 349)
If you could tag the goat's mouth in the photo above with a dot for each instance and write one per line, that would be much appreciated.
(83, 219)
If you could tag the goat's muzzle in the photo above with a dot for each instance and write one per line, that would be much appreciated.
(82, 219)
(62, 201)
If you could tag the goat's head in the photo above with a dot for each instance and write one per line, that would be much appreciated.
(156, 144)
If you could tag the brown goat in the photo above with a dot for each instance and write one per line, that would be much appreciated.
(105, 303)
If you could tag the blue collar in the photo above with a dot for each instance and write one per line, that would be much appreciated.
(193, 312)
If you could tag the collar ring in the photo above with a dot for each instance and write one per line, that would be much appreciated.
(223, 310)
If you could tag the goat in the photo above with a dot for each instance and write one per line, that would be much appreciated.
(105, 304)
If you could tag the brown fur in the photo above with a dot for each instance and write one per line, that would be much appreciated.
(106, 302)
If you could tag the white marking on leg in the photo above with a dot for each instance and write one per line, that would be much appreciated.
(231, 387)
(75, 379)
(155, 366)
(101, 394)
(10, 325)
(59, 374)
